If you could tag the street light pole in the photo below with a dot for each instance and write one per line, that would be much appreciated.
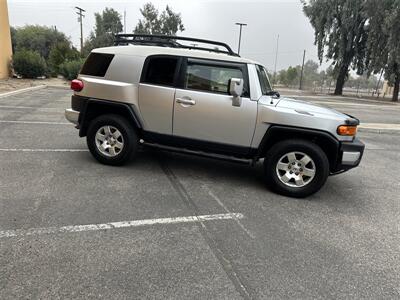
(240, 34)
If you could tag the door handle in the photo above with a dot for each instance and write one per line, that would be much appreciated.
(185, 101)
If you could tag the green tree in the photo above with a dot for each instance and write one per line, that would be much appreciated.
(282, 77)
(340, 34)
(310, 73)
(37, 38)
(108, 24)
(29, 64)
(167, 23)
(383, 47)
(292, 75)
(60, 53)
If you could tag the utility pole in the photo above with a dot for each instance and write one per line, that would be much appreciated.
(125, 21)
(302, 72)
(276, 61)
(240, 34)
(81, 15)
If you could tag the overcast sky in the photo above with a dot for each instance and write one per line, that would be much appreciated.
(209, 19)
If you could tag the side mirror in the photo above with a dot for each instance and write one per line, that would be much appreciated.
(276, 95)
(236, 90)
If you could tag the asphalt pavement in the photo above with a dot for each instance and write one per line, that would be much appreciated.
(175, 226)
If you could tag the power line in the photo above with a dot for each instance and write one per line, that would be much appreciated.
(81, 15)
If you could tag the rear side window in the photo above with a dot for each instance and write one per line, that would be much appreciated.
(97, 64)
(160, 70)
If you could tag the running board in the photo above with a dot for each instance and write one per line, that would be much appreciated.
(198, 153)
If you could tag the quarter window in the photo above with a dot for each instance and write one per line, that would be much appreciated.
(97, 64)
(210, 78)
(161, 71)
(264, 81)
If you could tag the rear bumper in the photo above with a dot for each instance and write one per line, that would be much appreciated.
(72, 116)
(350, 155)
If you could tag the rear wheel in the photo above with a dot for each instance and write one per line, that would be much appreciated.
(296, 168)
(112, 140)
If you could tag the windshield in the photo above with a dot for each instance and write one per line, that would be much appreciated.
(264, 81)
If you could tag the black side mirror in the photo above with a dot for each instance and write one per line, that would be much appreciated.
(274, 94)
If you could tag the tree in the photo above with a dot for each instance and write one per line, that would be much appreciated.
(310, 74)
(60, 53)
(29, 64)
(383, 47)
(108, 24)
(37, 38)
(168, 23)
(292, 75)
(282, 77)
(340, 33)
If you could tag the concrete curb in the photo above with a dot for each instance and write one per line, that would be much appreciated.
(20, 91)
(61, 87)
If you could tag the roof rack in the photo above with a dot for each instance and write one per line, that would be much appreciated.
(170, 41)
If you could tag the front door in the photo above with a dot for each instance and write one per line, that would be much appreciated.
(203, 109)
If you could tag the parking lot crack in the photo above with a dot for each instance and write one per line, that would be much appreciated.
(225, 261)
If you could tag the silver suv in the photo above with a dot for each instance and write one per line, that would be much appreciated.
(199, 97)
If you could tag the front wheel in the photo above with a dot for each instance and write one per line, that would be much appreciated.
(296, 168)
(112, 140)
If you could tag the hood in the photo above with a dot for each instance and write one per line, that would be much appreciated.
(304, 107)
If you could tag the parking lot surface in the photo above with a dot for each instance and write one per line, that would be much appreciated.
(174, 226)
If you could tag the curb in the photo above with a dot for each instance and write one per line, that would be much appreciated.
(20, 91)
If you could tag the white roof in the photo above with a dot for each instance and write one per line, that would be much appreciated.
(142, 50)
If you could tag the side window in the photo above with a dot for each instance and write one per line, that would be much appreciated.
(97, 64)
(160, 70)
(211, 78)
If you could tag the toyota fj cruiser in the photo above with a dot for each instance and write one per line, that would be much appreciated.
(170, 93)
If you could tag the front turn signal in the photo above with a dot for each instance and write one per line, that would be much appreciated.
(347, 130)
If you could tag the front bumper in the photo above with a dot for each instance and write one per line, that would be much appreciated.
(72, 116)
(350, 155)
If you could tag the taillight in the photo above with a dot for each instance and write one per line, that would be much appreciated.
(77, 85)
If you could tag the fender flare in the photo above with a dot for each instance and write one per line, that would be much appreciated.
(91, 108)
(275, 133)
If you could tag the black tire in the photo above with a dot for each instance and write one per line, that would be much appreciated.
(313, 151)
(130, 139)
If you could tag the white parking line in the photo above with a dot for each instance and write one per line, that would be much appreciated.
(41, 150)
(115, 225)
(35, 122)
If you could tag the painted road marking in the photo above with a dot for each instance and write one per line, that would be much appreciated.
(115, 225)
(41, 150)
(35, 122)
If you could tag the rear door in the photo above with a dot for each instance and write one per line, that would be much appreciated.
(157, 92)
(203, 109)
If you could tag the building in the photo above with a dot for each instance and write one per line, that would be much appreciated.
(5, 41)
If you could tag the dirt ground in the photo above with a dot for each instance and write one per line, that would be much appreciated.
(12, 84)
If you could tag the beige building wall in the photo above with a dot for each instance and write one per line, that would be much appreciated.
(5, 41)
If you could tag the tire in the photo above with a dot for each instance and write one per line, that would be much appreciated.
(296, 176)
(112, 140)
